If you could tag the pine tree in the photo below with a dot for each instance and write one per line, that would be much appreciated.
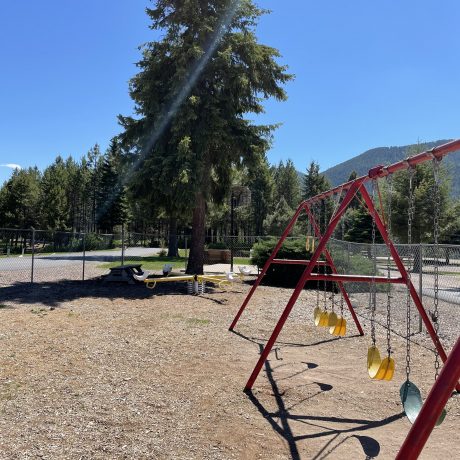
(314, 182)
(287, 184)
(192, 93)
(277, 222)
(260, 182)
(20, 198)
(75, 189)
(113, 207)
(423, 183)
(54, 200)
(93, 171)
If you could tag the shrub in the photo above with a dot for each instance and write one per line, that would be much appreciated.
(279, 274)
(288, 275)
(94, 241)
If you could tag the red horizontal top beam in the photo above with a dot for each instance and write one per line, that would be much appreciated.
(379, 171)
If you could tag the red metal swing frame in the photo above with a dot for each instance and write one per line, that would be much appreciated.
(447, 381)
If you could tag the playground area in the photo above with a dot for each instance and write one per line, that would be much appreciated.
(97, 371)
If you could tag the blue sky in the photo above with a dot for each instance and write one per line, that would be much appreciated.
(368, 74)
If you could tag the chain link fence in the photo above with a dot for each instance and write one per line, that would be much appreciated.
(420, 260)
(37, 255)
(47, 256)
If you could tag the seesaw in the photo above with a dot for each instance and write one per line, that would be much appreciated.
(196, 283)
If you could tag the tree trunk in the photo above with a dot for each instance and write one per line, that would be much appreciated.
(196, 257)
(172, 242)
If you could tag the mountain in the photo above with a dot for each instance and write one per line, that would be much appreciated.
(387, 155)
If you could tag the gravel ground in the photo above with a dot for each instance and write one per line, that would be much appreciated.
(92, 371)
(449, 326)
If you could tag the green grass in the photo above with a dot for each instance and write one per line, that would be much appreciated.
(157, 262)
(151, 263)
(241, 261)
(198, 322)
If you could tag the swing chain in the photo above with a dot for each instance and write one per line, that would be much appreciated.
(390, 193)
(372, 291)
(333, 296)
(325, 227)
(318, 213)
(410, 218)
(437, 204)
(343, 234)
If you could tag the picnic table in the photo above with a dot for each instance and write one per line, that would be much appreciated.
(124, 273)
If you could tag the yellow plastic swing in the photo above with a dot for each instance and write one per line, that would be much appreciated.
(324, 318)
(340, 327)
(310, 243)
(378, 368)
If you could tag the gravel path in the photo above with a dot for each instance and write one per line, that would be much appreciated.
(92, 371)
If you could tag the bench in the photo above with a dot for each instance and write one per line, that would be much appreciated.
(124, 273)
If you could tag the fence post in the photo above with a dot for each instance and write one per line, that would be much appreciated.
(420, 284)
(186, 258)
(84, 255)
(122, 244)
(33, 257)
(232, 250)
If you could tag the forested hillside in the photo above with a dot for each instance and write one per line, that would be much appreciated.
(387, 155)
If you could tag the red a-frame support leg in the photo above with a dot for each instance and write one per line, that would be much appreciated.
(271, 260)
(300, 285)
(266, 266)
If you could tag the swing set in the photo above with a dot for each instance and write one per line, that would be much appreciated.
(423, 416)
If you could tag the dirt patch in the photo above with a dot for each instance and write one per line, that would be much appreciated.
(89, 371)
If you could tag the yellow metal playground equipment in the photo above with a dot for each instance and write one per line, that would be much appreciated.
(196, 283)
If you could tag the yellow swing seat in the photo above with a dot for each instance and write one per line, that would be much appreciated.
(324, 318)
(317, 312)
(310, 244)
(332, 319)
(377, 368)
(340, 327)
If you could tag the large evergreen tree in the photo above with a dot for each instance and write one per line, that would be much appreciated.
(192, 93)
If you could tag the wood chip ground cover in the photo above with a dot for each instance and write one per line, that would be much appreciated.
(92, 371)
